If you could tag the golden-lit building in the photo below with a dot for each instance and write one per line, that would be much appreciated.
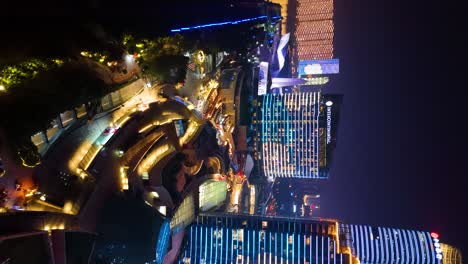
(450, 255)
(311, 25)
(284, 13)
(314, 29)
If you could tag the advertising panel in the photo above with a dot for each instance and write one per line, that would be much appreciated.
(318, 67)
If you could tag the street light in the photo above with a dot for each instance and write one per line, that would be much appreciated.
(2, 88)
(128, 59)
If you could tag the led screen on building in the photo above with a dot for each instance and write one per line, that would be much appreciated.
(318, 67)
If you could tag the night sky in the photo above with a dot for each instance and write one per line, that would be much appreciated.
(401, 152)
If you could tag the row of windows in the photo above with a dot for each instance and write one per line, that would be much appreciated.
(282, 130)
(389, 245)
(223, 243)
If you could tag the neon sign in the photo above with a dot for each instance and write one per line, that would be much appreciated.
(329, 114)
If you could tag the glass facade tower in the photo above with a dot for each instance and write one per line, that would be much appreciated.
(296, 134)
(289, 135)
(255, 239)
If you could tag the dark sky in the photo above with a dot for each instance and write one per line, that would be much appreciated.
(401, 154)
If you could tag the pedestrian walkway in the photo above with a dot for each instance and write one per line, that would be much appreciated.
(69, 120)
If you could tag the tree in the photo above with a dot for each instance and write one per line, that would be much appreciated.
(35, 102)
(167, 68)
(160, 58)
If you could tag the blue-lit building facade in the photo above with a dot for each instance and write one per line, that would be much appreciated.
(296, 134)
(392, 245)
(254, 239)
(229, 238)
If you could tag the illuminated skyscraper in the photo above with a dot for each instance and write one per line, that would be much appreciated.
(450, 254)
(296, 133)
(226, 238)
(255, 239)
(314, 29)
(391, 245)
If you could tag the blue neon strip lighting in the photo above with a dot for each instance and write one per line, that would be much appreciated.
(416, 245)
(282, 246)
(163, 241)
(221, 23)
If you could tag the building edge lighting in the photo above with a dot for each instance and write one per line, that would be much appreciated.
(234, 22)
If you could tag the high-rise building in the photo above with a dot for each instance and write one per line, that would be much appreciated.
(312, 41)
(284, 14)
(226, 238)
(314, 29)
(450, 254)
(254, 239)
(296, 133)
(391, 245)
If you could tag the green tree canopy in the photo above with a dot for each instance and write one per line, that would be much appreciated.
(166, 68)
(33, 103)
(160, 58)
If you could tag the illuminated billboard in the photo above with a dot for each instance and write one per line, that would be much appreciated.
(318, 67)
(328, 128)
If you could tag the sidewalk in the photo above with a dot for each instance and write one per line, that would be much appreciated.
(119, 98)
(55, 173)
(72, 147)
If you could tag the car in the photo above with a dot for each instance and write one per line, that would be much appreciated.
(142, 107)
(110, 130)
